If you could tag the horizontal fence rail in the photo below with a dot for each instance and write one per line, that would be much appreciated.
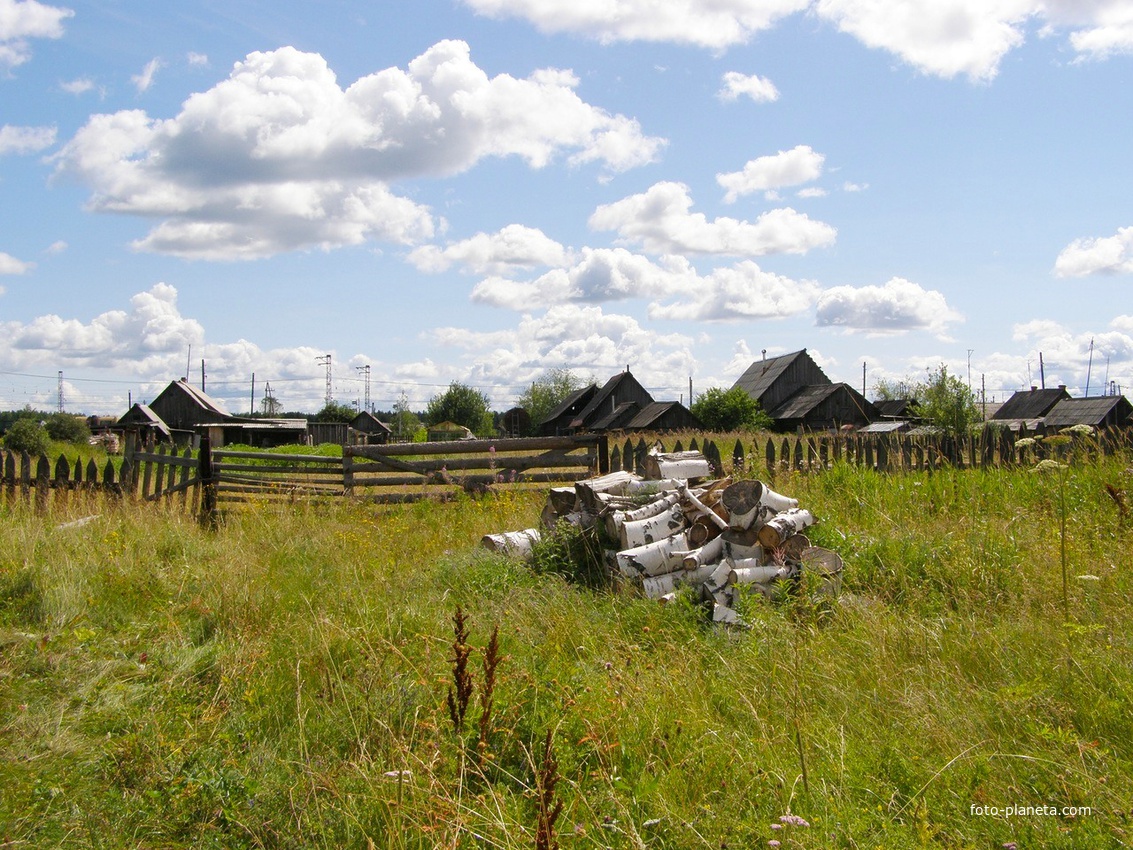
(400, 472)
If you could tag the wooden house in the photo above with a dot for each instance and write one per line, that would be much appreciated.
(614, 405)
(1110, 411)
(1027, 408)
(824, 407)
(182, 407)
(369, 430)
(773, 380)
(557, 422)
(143, 421)
(515, 422)
(663, 416)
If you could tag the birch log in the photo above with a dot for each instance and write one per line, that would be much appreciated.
(708, 554)
(749, 571)
(615, 519)
(783, 525)
(753, 502)
(517, 543)
(653, 528)
(683, 465)
(654, 559)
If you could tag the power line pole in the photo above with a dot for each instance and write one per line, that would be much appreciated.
(60, 391)
(325, 360)
(366, 369)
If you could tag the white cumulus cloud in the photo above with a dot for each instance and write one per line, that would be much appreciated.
(759, 89)
(512, 247)
(279, 157)
(21, 20)
(661, 221)
(1101, 255)
(767, 173)
(144, 80)
(10, 265)
(895, 307)
(716, 25)
(25, 139)
(744, 291)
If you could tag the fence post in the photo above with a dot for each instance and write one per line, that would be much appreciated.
(205, 472)
(604, 455)
(348, 470)
(42, 483)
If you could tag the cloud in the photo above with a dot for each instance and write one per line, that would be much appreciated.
(897, 306)
(1072, 357)
(25, 139)
(1101, 256)
(196, 58)
(716, 25)
(80, 85)
(512, 247)
(601, 274)
(759, 89)
(786, 168)
(56, 247)
(661, 222)
(21, 20)
(742, 292)
(1102, 28)
(279, 157)
(10, 265)
(144, 80)
(583, 338)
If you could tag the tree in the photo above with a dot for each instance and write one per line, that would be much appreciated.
(27, 435)
(947, 402)
(68, 428)
(547, 392)
(729, 410)
(463, 405)
(886, 390)
(405, 423)
(335, 412)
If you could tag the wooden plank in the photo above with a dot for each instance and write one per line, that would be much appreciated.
(221, 454)
(463, 447)
(281, 470)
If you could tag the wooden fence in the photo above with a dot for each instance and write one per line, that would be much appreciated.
(402, 472)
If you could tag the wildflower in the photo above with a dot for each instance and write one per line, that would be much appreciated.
(793, 820)
(1010, 845)
(772, 843)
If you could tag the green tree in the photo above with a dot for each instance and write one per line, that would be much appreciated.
(463, 405)
(27, 435)
(68, 428)
(887, 390)
(547, 392)
(947, 402)
(729, 410)
(405, 423)
(335, 412)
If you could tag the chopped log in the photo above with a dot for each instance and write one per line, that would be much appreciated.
(654, 559)
(662, 585)
(591, 490)
(750, 571)
(516, 543)
(653, 528)
(752, 502)
(825, 563)
(562, 499)
(702, 531)
(708, 554)
(616, 519)
(783, 525)
(741, 544)
(683, 465)
(703, 509)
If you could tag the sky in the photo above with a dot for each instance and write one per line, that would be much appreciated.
(478, 191)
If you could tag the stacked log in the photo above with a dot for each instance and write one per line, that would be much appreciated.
(718, 537)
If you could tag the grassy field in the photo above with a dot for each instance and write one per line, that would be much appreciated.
(282, 681)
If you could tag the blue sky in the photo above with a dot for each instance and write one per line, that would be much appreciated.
(481, 190)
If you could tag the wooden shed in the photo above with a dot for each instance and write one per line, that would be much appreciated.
(663, 416)
(369, 430)
(557, 422)
(1110, 411)
(824, 407)
(614, 405)
(182, 407)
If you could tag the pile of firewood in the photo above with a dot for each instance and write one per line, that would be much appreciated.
(677, 527)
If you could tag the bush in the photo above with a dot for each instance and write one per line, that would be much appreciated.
(68, 428)
(729, 410)
(27, 435)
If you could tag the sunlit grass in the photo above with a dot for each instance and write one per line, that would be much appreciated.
(281, 682)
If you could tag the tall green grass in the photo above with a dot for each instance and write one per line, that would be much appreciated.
(281, 682)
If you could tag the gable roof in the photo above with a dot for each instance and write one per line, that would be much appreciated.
(1096, 411)
(614, 386)
(1030, 404)
(142, 414)
(761, 374)
(572, 403)
(803, 402)
(647, 417)
(367, 421)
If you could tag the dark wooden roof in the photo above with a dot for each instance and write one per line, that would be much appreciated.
(573, 403)
(142, 415)
(803, 402)
(1112, 410)
(663, 415)
(369, 423)
(616, 419)
(620, 389)
(774, 380)
(824, 405)
(894, 408)
(1030, 404)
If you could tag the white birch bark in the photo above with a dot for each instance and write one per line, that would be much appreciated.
(781, 526)
(654, 559)
(651, 529)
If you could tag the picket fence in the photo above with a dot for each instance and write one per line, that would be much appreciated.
(204, 482)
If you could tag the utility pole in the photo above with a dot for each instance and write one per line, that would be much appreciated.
(366, 369)
(970, 350)
(60, 391)
(863, 377)
(1042, 372)
(252, 400)
(325, 360)
(202, 374)
(1089, 367)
